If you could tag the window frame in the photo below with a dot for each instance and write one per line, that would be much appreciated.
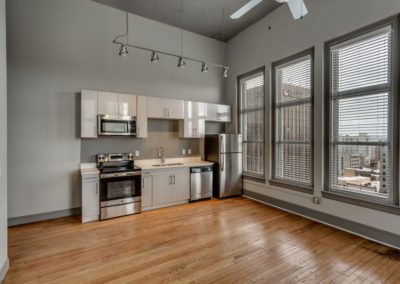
(273, 180)
(250, 176)
(352, 197)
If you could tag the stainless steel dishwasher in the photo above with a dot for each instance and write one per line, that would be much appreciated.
(201, 182)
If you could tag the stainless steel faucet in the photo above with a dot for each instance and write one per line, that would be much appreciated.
(161, 155)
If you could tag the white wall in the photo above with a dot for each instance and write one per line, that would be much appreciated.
(258, 46)
(55, 49)
(3, 138)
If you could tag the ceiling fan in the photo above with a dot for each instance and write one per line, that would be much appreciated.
(297, 7)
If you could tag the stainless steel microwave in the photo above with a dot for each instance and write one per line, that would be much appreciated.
(116, 125)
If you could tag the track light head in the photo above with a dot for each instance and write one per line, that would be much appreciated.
(181, 63)
(204, 67)
(225, 72)
(154, 57)
(123, 51)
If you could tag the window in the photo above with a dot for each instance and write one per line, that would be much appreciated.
(251, 108)
(361, 134)
(292, 121)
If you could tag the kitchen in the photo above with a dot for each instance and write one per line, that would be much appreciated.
(187, 141)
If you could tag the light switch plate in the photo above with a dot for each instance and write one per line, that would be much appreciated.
(137, 153)
(189, 151)
(183, 152)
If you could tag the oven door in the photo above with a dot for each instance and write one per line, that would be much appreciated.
(120, 188)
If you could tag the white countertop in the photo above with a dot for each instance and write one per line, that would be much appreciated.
(89, 169)
(184, 162)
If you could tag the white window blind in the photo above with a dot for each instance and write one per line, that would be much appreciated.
(292, 129)
(360, 124)
(252, 123)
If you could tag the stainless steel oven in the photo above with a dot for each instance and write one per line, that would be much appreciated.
(120, 186)
(116, 125)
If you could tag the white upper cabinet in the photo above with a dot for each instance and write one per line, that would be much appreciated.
(88, 114)
(165, 108)
(141, 119)
(217, 112)
(108, 103)
(116, 104)
(193, 124)
(127, 104)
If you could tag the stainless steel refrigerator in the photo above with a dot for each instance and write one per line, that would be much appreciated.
(225, 150)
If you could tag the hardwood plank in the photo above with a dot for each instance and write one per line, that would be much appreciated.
(235, 240)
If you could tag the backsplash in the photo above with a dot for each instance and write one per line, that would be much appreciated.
(161, 133)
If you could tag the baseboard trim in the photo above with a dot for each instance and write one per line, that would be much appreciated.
(43, 216)
(4, 268)
(367, 232)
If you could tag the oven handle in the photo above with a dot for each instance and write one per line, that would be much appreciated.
(120, 175)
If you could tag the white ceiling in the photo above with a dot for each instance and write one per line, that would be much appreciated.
(199, 16)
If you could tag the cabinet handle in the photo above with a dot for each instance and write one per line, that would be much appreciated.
(97, 188)
(170, 179)
(168, 111)
(137, 131)
(142, 183)
(94, 131)
(174, 179)
(116, 108)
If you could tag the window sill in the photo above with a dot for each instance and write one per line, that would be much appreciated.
(304, 189)
(253, 178)
(361, 202)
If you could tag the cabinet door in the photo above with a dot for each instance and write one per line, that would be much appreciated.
(147, 192)
(108, 103)
(141, 119)
(88, 114)
(224, 113)
(127, 104)
(181, 186)
(211, 112)
(162, 189)
(156, 108)
(90, 200)
(175, 109)
(201, 125)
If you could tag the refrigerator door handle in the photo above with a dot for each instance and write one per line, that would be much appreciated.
(222, 163)
(221, 145)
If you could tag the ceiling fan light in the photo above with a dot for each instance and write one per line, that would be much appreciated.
(204, 67)
(181, 63)
(123, 51)
(154, 57)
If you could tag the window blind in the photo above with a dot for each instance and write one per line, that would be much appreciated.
(292, 129)
(360, 124)
(252, 123)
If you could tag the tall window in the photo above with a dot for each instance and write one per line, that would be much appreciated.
(251, 102)
(292, 121)
(360, 115)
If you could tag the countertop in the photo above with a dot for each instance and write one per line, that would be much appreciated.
(91, 168)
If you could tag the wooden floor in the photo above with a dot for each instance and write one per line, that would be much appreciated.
(231, 241)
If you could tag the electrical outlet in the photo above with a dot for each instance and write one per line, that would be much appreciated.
(183, 152)
(189, 151)
(316, 200)
(137, 153)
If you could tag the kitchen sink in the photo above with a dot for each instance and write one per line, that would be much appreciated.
(170, 164)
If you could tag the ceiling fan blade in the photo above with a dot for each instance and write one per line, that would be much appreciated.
(245, 8)
(298, 8)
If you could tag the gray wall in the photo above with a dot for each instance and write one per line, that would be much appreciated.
(55, 49)
(326, 19)
(3, 139)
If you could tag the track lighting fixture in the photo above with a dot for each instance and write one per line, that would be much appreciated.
(204, 67)
(225, 72)
(123, 50)
(154, 57)
(181, 62)
(123, 42)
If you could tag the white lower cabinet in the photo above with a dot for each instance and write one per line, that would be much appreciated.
(90, 198)
(147, 191)
(169, 187)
